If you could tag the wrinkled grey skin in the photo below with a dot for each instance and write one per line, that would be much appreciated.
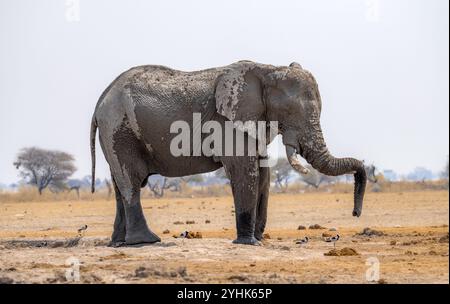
(135, 112)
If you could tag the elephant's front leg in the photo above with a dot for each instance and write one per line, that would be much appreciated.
(263, 199)
(244, 179)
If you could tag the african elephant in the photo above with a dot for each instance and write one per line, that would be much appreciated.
(134, 116)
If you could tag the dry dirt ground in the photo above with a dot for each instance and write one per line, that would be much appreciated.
(39, 240)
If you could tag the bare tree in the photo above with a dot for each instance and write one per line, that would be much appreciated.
(370, 172)
(109, 187)
(174, 184)
(45, 168)
(196, 178)
(220, 173)
(156, 188)
(314, 178)
(76, 189)
(444, 173)
(158, 185)
(282, 174)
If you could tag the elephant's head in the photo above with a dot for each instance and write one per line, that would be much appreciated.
(289, 95)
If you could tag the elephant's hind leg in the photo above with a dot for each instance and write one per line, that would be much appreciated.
(118, 236)
(129, 169)
(130, 226)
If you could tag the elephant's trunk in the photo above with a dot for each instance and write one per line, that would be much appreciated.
(313, 148)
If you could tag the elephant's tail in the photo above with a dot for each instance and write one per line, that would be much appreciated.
(93, 133)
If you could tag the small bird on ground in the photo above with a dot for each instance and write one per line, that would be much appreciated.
(330, 238)
(82, 229)
(302, 241)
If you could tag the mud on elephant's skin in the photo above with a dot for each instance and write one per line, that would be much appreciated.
(135, 112)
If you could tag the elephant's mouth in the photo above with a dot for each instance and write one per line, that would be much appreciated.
(298, 150)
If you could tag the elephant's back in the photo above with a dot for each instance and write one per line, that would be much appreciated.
(149, 83)
(162, 90)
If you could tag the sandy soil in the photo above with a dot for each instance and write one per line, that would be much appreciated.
(39, 240)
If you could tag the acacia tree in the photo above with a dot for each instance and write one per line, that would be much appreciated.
(160, 183)
(45, 168)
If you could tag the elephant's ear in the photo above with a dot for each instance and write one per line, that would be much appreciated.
(239, 94)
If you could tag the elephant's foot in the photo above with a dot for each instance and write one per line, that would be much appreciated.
(143, 236)
(259, 236)
(118, 237)
(247, 241)
(116, 244)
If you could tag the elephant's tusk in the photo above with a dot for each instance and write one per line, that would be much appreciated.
(294, 161)
(297, 165)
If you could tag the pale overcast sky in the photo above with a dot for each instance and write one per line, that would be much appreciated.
(382, 67)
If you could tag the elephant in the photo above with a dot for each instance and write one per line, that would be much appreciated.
(134, 116)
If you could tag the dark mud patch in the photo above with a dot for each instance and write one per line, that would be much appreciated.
(6, 280)
(444, 239)
(54, 243)
(116, 256)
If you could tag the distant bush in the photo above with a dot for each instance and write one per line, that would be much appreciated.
(29, 194)
(380, 186)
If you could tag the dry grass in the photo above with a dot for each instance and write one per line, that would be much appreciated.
(406, 186)
(383, 186)
(30, 194)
